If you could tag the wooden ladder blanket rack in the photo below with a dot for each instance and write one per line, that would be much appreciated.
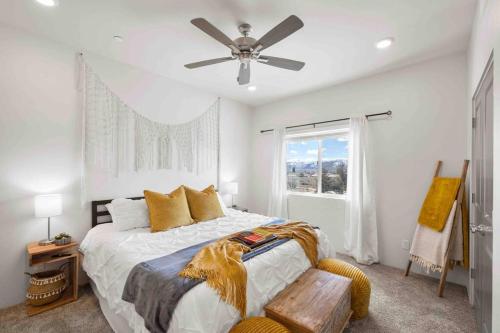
(459, 198)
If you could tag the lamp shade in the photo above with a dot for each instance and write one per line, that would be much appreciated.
(48, 205)
(231, 188)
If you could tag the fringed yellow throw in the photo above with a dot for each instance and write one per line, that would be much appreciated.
(303, 233)
(438, 203)
(220, 263)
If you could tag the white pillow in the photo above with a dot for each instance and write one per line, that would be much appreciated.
(222, 205)
(128, 214)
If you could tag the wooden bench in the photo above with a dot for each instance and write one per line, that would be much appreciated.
(317, 302)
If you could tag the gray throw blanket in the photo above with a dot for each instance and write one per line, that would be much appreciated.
(155, 287)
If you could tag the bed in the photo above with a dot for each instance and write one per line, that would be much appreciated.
(109, 256)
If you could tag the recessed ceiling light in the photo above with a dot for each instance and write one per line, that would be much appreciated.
(48, 3)
(118, 38)
(252, 88)
(384, 43)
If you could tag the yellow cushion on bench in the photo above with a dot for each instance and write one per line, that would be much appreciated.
(258, 325)
(360, 289)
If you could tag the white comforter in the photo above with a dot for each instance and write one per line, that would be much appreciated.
(110, 255)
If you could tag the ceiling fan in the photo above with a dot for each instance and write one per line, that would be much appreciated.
(246, 48)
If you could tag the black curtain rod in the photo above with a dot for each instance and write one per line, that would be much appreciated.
(388, 113)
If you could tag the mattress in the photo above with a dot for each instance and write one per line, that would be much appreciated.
(110, 255)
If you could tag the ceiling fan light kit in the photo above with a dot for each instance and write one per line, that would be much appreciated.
(247, 49)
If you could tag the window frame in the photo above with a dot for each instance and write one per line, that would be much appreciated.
(319, 136)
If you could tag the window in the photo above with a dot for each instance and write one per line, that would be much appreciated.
(318, 164)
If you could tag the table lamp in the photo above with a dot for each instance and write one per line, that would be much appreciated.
(48, 205)
(231, 188)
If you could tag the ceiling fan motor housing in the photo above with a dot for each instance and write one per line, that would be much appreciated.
(245, 43)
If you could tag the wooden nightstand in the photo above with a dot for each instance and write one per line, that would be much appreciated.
(240, 208)
(39, 255)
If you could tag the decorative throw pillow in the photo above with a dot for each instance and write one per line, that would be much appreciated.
(128, 214)
(167, 211)
(204, 205)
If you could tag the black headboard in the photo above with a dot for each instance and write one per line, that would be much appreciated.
(100, 214)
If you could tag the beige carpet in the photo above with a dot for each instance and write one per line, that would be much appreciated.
(410, 304)
(83, 316)
(398, 304)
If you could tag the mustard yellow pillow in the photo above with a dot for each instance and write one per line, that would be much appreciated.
(167, 211)
(204, 205)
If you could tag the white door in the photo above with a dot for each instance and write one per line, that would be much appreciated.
(482, 200)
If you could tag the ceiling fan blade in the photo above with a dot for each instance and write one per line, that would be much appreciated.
(244, 75)
(282, 63)
(215, 33)
(208, 62)
(282, 30)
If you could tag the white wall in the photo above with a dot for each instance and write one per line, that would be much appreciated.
(486, 38)
(40, 142)
(429, 123)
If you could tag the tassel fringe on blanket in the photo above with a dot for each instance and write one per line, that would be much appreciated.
(427, 265)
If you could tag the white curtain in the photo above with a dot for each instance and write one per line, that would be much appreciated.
(278, 198)
(361, 241)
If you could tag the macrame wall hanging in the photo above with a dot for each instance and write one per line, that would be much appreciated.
(119, 139)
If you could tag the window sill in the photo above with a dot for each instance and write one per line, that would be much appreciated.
(317, 195)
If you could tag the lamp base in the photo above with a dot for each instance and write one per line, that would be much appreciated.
(46, 242)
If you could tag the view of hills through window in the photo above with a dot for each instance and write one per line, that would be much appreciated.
(318, 165)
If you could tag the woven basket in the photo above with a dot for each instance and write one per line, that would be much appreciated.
(46, 287)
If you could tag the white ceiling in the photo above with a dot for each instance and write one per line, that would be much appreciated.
(337, 41)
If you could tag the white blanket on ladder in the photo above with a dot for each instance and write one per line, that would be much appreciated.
(429, 246)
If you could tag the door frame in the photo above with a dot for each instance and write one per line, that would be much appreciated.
(472, 237)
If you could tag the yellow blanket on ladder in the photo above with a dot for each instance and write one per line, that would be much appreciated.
(438, 203)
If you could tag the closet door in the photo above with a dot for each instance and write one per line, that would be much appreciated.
(482, 203)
